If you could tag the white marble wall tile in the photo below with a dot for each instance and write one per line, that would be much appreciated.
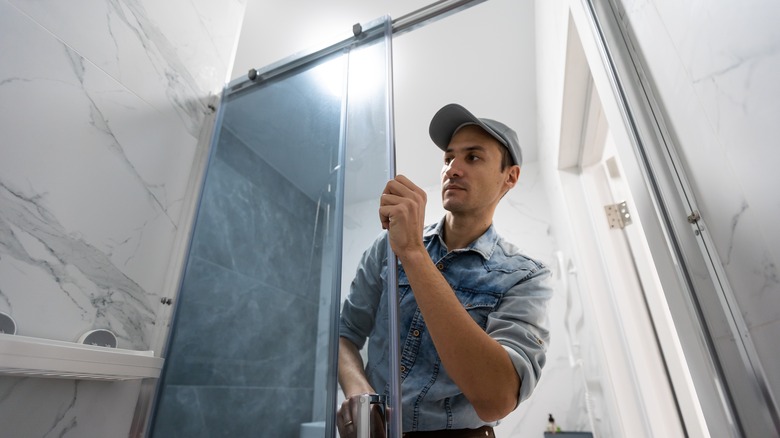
(714, 65)
(91, 184)
(721, 105)
(101, 104)
(734, 79)
(523, 216)
(765, 339)
(752, 269)
(742, 108)
(204, 34)
(167, 53)
(55, 407)
(717, 36)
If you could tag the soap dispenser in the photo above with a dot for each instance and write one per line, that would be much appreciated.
(551, 424)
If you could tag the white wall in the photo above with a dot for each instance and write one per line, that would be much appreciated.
(480, 57)
(103, 104)
(598, 412)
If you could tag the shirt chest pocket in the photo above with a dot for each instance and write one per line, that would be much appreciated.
(478, 304)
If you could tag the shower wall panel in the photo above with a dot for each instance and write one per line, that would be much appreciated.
(243, 348)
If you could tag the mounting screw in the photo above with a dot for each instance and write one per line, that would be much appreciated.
(694, 217)
(357, 29)
(252, 75)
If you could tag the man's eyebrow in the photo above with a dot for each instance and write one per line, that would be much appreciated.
(476, 147)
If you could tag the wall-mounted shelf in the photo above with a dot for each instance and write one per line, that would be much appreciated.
(35, 357)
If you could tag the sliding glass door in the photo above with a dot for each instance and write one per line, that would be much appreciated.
(253, 347)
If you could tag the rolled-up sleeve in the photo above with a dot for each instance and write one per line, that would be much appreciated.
(358, 313)
(518, 324)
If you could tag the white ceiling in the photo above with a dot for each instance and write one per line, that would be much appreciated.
(482, 57)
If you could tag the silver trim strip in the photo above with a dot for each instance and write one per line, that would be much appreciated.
(395, 424)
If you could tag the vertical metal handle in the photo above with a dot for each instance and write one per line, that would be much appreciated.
(363, 420)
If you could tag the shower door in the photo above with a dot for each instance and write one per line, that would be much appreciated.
(253, 344)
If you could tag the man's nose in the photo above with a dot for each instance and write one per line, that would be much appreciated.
(452, 169)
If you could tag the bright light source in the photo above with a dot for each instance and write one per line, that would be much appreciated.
(367, 70)
(331, 76)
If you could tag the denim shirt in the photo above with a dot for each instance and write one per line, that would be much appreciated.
(504, 291)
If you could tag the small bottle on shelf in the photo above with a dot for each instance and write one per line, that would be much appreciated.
(551, 424)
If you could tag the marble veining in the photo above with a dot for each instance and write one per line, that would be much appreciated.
(173, 56)
(156, 192)
(85, 275)
(734, 224)
(102, 107)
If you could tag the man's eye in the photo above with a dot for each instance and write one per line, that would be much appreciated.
(473, 158)
(447, 160)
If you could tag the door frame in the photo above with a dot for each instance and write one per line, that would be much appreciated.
(689, 276)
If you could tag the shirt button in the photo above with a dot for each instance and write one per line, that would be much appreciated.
(440, 266)
(416, 333)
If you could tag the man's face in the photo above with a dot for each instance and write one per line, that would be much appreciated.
(472, 180)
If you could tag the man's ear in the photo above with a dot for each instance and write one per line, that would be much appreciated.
(512, 176)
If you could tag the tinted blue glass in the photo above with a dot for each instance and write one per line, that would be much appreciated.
(249, 349)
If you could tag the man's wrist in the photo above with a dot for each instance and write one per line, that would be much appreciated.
(414, 256)
(356, 392)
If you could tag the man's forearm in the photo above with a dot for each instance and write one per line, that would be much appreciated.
(477, 363)
(352, 376)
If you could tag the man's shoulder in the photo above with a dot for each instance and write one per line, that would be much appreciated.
(510, 257)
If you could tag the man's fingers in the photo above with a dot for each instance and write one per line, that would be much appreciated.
(406, 182)
(345, 418)
(396, 193)
(403, 186)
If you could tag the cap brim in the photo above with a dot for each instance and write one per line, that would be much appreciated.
(451, 117)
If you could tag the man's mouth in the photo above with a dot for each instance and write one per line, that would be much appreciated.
(452, 186)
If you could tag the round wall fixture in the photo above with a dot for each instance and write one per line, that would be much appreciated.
(99, 337)
(7, 324)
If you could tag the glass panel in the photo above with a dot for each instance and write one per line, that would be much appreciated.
(254, 329)
(254, 341)
(369, 165)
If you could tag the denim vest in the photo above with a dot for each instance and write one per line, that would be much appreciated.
(504, 292)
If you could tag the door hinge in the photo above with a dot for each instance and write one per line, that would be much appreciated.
(618, 215)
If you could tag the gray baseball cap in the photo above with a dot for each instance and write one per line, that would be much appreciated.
(453, 117)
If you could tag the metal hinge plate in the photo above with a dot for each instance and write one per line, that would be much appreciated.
(618, 215)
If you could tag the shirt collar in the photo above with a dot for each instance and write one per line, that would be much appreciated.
(484, 245)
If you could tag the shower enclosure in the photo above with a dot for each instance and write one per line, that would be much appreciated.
(302, 146)
(253, 348)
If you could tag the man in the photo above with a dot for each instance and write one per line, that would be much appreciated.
(471, 306)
